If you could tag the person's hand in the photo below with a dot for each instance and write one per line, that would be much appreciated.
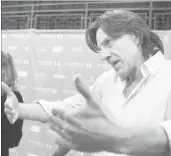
(89, 129)
(11, 105)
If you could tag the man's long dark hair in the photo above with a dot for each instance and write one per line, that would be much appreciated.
(120, 22)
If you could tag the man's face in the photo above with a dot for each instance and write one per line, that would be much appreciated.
(123, 54)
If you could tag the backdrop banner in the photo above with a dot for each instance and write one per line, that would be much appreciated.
(46, 62)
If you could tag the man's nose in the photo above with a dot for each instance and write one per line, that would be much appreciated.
(105, 54)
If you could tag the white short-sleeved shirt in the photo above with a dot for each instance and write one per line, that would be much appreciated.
(148, 103)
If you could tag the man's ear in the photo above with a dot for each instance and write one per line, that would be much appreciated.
(136, 39)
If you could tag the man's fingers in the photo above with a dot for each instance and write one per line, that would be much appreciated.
(59, 113)
(57, 121)
(73, 121)
(62, 142)
(91, 99)
(6, 89)
(83, 89)
(57, 130)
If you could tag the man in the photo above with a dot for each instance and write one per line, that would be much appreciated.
(128, 109)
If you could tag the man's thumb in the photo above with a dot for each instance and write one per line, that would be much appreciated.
(82, 88)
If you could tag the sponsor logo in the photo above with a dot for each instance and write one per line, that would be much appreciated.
(41, 49)
(57, 49)
(54, 91)
(37, 143)
(4, 36)
(13, 152)
(104, 66)
(41, 75)
(77, 49)
(57, 63)
(48, 146)
(57, 76)
(12, 47)
(41, 89)
(35, 128)
(21, 86)
(48, 36)
(21, 61)
(46, 90)
(78, 64)
(67, 91)
(25, 61)
(48, 63)
(59, 36)
(23, 73)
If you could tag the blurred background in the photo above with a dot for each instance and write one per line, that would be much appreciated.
(47, 42)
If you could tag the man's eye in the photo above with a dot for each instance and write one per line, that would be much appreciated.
(106, 43)
(110, 44)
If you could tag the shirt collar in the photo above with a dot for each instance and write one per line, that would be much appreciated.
(151, 66)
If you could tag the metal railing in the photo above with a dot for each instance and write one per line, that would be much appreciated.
(15, 22)
(78, 15)
(162, 21)
(59, 21)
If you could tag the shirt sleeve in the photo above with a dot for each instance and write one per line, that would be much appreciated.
(48, 106)
(167, 123)
(74, 102)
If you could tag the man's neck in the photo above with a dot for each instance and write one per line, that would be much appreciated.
(134, 77)
(131, 82)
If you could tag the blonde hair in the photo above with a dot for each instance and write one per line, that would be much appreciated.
(8, 71)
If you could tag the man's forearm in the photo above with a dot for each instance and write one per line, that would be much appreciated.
(146, 141)
(32, 111)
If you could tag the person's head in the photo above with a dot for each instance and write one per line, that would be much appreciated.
(124, 40)
(8, 72)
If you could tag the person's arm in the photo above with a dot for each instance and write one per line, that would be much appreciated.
(26, 111)
(32, 111)
(29, 111)
(42, 110)
(38, 111)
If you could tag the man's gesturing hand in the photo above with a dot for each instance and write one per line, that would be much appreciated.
(11, 106)
(90, 129)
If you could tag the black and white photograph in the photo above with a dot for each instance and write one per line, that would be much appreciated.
(86, 78)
